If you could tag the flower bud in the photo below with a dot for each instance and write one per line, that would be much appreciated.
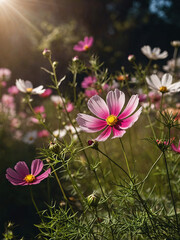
(54, 147)
(131, 58)
(93, 143)
(93, 200)
(75, 58)
(46, 53)
(175, 43)
(55, 64)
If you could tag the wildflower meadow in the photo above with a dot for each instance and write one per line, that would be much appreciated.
(92, 154)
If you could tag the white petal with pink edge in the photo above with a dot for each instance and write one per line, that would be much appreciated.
(98, 107)
(104, 135)
(115, 101)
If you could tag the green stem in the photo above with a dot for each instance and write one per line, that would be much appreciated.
(107, 207)
(125, 156)
(172, 197)
(61, 188)
(34, 203)
(114, 163)
(150, 123)
(74, 86)
(110, 164)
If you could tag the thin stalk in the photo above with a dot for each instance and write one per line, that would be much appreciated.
(34, 203)
(150, 123)
(61, 188)
(125, 156)
(110, 164)
(107, 207)
(74, 86)
(64, 105)
(154, 164)
(114, 163)
(172, 197)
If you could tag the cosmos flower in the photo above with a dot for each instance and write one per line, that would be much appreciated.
(88, 82)
(21, 175)
(111, 118)
(27, 87)
(90, 92)
(30, 137)
(176, 149)
(59, 133)
(71, 130)
(83, 46)
(46, 93)
(5, 74)
(43, 133)
(164, 85)
(153, 54)
(13, 90)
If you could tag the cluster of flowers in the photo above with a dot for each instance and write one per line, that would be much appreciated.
(111, 117)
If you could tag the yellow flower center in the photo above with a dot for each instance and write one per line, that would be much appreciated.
(111, 120)
(29, 178)
(29, 90)
(163, 89)
(86, 47)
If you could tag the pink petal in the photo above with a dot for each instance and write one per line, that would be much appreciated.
(98, 107)
(174, 148)
(14, 181)
(89, 123)
(36, 167)
(22, 169)
(131, 107)
(13, 174)
(115, 101)
(128, 122)
(118, 132)
(104, 135)
(42, 176)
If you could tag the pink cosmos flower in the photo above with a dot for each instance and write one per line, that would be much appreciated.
(5, 74)
(43, 133)
(46, 93)
(3, 84)
(176, 149)
(84, 45)
(21, 175)
(88, 82)
(111, 118)
(39, 109)
(90, 92)
(69, 107)
(13, 90)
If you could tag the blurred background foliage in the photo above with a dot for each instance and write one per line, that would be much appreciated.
(119, 28)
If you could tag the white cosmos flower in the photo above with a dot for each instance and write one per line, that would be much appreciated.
(153, 54)
(71, 130)
(30, 137)
(27, 87)
(57, 100)
(164, 85)
(59, 133)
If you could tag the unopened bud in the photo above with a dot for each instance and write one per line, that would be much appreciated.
(93, 200)
(93, 143)
(55, 64)
(46, 53)
(75, 58)
(54, 147)
(175, 43)
(131, 58)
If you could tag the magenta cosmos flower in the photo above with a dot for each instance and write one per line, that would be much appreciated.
(176, 149)
(111, 118)
(21, 175)
(84, 45)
